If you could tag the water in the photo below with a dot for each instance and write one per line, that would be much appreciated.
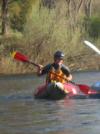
(20, 113)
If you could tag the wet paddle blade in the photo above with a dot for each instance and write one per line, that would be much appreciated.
(84, 88)
(89, 44)
(19, 56)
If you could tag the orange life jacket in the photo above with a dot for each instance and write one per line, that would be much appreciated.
(56, 75)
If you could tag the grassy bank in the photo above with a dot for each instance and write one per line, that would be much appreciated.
(77, 57)
(49, 29)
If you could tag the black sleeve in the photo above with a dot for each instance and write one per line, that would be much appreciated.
(46, 69)
(66, 70)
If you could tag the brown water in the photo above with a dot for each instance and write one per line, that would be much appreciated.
(20, 113)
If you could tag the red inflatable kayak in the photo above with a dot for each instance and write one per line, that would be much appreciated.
(57, 91)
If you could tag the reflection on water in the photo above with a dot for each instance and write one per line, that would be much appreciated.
(20, 113)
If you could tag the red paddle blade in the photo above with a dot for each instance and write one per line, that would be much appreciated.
(84, 88)
(20, 57)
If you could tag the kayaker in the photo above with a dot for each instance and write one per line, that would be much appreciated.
(57, 77)
(56, 71)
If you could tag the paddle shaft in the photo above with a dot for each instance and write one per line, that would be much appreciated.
(33, 63)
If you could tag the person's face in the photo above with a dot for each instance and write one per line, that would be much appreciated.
(58, 61)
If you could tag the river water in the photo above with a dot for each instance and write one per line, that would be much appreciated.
(20, 113)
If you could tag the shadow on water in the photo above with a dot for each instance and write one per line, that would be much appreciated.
(20, 113)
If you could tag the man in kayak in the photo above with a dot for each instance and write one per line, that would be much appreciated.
(57, 76)
(56, 71)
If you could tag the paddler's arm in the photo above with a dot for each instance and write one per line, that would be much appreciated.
(43, 70)
(67, 71)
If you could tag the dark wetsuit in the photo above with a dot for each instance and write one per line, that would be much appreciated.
(64, 69)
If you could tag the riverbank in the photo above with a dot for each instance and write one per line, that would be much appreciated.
(82, 62)
(45, 28)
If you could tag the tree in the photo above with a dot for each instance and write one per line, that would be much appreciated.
(13, 14)
(4, 15)
(77, 9)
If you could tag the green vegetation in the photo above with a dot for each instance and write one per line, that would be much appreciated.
(38, 28)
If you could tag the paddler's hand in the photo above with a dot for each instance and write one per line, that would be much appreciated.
(68, 78)
(39, 69)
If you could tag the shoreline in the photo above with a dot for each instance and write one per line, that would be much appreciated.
(34, 73)
(89, 62)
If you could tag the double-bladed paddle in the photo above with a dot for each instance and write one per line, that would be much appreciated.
(20, 57)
